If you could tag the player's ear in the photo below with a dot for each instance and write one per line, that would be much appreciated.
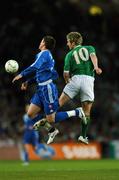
(73, 44)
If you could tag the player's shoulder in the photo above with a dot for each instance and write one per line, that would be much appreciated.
(88, 46)
(48, 54)
(69, 54)
(44, 54)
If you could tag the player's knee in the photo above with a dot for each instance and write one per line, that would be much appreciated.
(86, 111)
(31, 115)
(87, 114)
(51, 117)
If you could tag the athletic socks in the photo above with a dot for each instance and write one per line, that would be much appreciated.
(25, 158)
(84, 127)
(62, 116)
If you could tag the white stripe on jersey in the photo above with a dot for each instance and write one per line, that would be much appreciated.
(37, 58)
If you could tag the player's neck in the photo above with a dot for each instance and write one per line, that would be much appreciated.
(77, 45)
(43, 48)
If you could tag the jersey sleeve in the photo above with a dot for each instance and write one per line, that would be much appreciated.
(39, 61)
(32, 80)
(28, 71)
(67, 63)
(91, 50)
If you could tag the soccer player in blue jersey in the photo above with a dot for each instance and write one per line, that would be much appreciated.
(31, 137)
(46, 96)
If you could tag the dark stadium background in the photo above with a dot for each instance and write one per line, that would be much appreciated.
(24, 23)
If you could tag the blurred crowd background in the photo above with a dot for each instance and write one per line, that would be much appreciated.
(22, 26)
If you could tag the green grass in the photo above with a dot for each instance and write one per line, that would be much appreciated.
(60, 170)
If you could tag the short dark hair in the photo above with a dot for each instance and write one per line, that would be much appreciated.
(75, 37)
(50, 42)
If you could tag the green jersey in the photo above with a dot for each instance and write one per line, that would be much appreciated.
(78, 61)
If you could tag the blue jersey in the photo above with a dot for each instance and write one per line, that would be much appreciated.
(47, 94)
(43, 67)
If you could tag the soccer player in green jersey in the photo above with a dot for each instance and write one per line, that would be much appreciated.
(80, 66)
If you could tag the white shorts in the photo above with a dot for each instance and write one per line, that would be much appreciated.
(82, 85)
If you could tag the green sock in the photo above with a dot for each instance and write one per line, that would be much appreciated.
(84, 127)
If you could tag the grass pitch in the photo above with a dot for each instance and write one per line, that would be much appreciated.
(60, 170)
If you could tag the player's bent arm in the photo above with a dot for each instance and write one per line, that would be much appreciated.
(28, 71)
(95, 63)
(66, 76)
(94, 60)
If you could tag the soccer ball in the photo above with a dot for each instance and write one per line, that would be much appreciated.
(11, 66)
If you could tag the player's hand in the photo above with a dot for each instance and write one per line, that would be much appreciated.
(98, 71)
(19, 76)
(24, 86)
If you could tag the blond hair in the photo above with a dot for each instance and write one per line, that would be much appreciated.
(75, 37)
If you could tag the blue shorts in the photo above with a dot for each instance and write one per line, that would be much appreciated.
(47, 98)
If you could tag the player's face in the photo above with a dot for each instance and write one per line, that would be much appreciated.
(42, 45)
(69, 44)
